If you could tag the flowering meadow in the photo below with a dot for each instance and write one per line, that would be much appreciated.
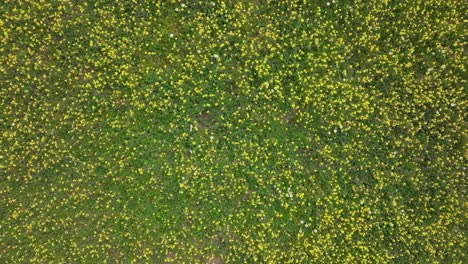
(247, 131)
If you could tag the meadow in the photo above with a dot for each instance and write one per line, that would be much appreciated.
(246, 131)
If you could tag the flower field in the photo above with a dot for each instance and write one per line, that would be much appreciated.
(247, 131)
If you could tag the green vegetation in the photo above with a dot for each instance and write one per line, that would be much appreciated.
(233, 131)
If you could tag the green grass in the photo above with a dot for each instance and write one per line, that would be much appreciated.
(233, 132)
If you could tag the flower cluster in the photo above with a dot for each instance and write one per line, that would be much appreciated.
(233, 131)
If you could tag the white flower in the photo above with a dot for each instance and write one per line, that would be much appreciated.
(328, 3)
(315, 231)
(216, 56)
(211, 137)
(171, 35)
(302, 222)
(335, 130)
(182, 5)
(452, 104)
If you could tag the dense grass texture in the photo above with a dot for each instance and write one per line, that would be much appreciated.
(246, 131)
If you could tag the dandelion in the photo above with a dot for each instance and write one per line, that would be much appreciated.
(112, 109)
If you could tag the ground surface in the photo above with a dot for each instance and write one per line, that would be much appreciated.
(233, 132)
